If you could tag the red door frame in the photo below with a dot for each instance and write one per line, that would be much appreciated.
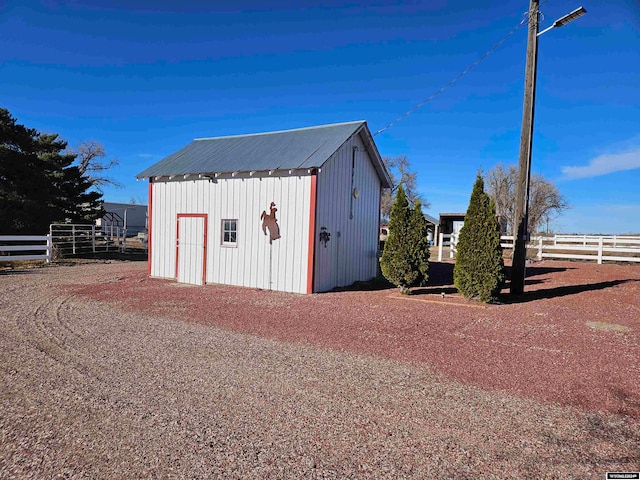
(204, 259)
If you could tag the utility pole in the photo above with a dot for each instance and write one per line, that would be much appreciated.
(521, 220)
(518, 266)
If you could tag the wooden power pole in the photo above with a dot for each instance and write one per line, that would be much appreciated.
(524, 161)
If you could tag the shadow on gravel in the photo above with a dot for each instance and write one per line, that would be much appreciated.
(561, 291)
(378, 283)
(533, 271)
(129, 256)
(21, 268)
(102, 257)
(631, 403)
(20, 271)
(440, 273)
(449, 290)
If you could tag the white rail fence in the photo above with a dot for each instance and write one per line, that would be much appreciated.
(63, 240)
(25, 247)
(448, 242)
(599, 248)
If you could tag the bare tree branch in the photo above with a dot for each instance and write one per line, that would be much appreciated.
(91, 158)
(545, 200)
(399, 170)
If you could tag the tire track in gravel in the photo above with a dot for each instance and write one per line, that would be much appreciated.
(43, 325)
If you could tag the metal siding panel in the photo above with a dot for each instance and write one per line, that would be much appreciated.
(165, 251)
(156, 193)
(227, 200)
(333, 191)
(244, 265)
(365, 235)
(300, 191)
(170, 222)
(165, 233)
(268, 272)
(157, 250)
(217, 211)
(252, 215)
(260, 259)
(244, 199)
(214, 233)
(235, 277)
(283, 204)
(351, 255)
(287, 224)
(153, 228)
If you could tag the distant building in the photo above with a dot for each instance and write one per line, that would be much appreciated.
(451, 222)
(129, 216)
(432, 230)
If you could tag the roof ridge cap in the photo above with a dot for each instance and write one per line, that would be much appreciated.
(281, 131)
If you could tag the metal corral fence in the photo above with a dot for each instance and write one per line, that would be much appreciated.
(25, 247)
(600, 248)
(78, 239)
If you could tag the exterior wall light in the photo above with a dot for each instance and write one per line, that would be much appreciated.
(325, 236)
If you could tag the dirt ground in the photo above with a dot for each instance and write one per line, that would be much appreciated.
(110, 374)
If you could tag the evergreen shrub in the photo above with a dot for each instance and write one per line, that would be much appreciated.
(479, 269)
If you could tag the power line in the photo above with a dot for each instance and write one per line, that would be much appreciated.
(524, 21)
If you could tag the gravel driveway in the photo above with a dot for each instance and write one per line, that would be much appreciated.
(101, 382)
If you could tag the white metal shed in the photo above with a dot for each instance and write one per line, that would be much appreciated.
(294, 211)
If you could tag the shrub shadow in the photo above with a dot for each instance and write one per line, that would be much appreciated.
(378, 283)
(533, 271)
(560, 291)
(448, 290)
(440, 273)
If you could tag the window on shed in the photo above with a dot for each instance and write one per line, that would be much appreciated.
(229, 232)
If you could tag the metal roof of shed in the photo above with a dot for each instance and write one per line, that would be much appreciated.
(302, 148)
(431, 219)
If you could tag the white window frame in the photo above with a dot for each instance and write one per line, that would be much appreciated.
(223, 230)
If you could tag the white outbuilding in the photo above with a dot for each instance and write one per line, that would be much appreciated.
(294, 211)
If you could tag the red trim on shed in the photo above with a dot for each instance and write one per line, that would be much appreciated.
(312, 232)
(204, 253)
(149, 217)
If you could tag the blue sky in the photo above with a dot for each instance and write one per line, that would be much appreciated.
(146, 77)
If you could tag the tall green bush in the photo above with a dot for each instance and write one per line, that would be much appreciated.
(419, 244)
(405, 257)
(479, 269)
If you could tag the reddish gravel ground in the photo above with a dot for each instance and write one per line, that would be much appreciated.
(571, 339)
(108, 374)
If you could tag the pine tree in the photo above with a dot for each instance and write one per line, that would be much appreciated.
(479, 269)
(39, 183)
(405, 259)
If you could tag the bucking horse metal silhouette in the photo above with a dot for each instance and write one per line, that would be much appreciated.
(270, 222)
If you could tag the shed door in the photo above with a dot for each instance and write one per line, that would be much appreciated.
(191, 248)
